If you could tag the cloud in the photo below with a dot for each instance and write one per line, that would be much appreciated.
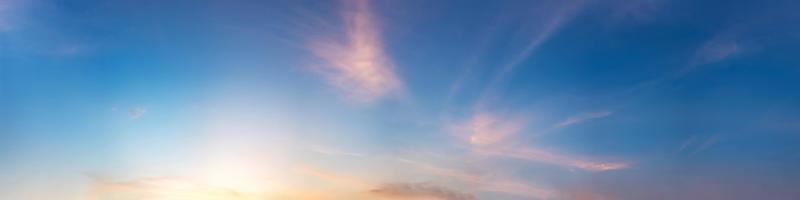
(696, 145)
(560, 16)
(582, 118)
(137, 112)
(163, 188)
(334, 152)
(445, 172)
(485, 128)
(489, 184)
(519, 189)
(490, 135)
(721, 47)
(642, 10)
(333, 178)
(717, 50)
(358, 65)
(419, 191)
(547, 157)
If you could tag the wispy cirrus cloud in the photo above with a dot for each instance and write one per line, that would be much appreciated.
(554, 158)
(164, 188)
(486, 128)
(560, 16)
(420, 191)
(717, 49)
(491, 134)
(357, 64)
(334, 151)
(697, 144)
(583, 117)
(333, 178)
(552, 22)
(444, 172)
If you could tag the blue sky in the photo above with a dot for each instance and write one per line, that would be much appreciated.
(357, 99)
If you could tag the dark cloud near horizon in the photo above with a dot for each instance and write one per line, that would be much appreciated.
(420, 190)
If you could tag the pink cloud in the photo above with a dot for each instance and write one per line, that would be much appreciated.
(358, 65)
(491, 135)
(553, 158)
(485, 128)
(420, 191)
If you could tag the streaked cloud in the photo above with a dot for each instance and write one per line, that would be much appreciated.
(444, 172)
(553, 158)
(136, 113)
(719, 48)
(697, 144)
(492, 134)
(642, 10)
(485, 128)
(716, 50)
(333, 178)
(334, 151)
(163, 188)
(560, 16)
(583, 118)
(420, 191)
(358, 64)
(558, 19)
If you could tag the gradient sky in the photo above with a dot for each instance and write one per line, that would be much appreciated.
(418, 99)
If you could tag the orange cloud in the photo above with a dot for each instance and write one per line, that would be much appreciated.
(185, 188)
(165, 188)
(333, 178)
(358, 65)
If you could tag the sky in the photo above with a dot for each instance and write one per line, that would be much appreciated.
(415, 99)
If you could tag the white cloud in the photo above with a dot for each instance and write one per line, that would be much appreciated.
(583, 118)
